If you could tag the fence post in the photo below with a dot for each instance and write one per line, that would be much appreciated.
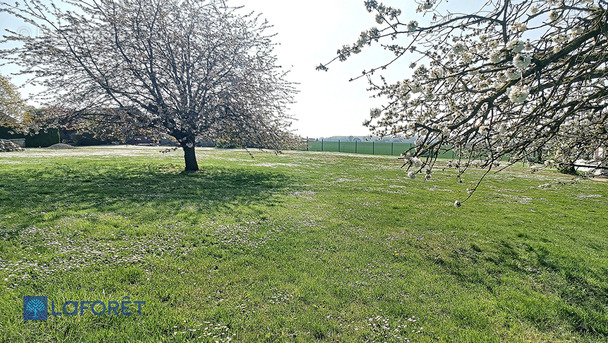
(392, 148)
(373, 148)
(339, 146)
(307, 147)
(356, 151)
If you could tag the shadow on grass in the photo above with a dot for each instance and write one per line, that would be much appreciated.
(28, 197)
(582, 288)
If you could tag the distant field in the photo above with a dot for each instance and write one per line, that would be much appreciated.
(301, 246)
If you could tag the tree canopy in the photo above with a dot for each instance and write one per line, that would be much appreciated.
(185, 68)
(12, 107)
(512, 79)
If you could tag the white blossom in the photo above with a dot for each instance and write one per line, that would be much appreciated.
(519, 27)
(519, 94)
(577, 31)
(412, 25)
(459, 48)
(516, 46)
(437, 73)
(513, 74)
(495, 56)
(521, 61)
(415, 87)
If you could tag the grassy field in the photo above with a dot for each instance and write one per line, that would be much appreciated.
(297, 247)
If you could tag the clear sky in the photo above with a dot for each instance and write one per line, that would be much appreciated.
(310, 32)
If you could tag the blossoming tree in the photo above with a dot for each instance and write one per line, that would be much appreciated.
(512, 79)
(12, 107)
(185, 68)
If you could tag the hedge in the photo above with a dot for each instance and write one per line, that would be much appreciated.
(42, 139)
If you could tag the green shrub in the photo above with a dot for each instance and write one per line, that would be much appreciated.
(42, 139)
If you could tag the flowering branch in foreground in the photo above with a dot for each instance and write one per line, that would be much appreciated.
(513, 79)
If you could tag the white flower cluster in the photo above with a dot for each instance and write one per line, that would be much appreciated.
(459, 48)
(513, 74)
(521, 61)
(516, 46)
(437, 73)
(495, 56)
(577, 31)
(519, 27)
(412, 161)
(425, 6)
(415, 87)
(554, 15)
(412, 26)
(519, 94)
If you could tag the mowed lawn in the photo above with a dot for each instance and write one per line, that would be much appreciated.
(298, 246)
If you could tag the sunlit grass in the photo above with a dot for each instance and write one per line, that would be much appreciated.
(298, 247)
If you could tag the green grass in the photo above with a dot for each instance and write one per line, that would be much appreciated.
(298, 247)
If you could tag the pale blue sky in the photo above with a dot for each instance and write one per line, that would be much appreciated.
(310, 32)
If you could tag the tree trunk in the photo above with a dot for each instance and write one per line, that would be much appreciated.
(190, 156)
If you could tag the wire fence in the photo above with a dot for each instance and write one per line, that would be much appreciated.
(367, 148)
